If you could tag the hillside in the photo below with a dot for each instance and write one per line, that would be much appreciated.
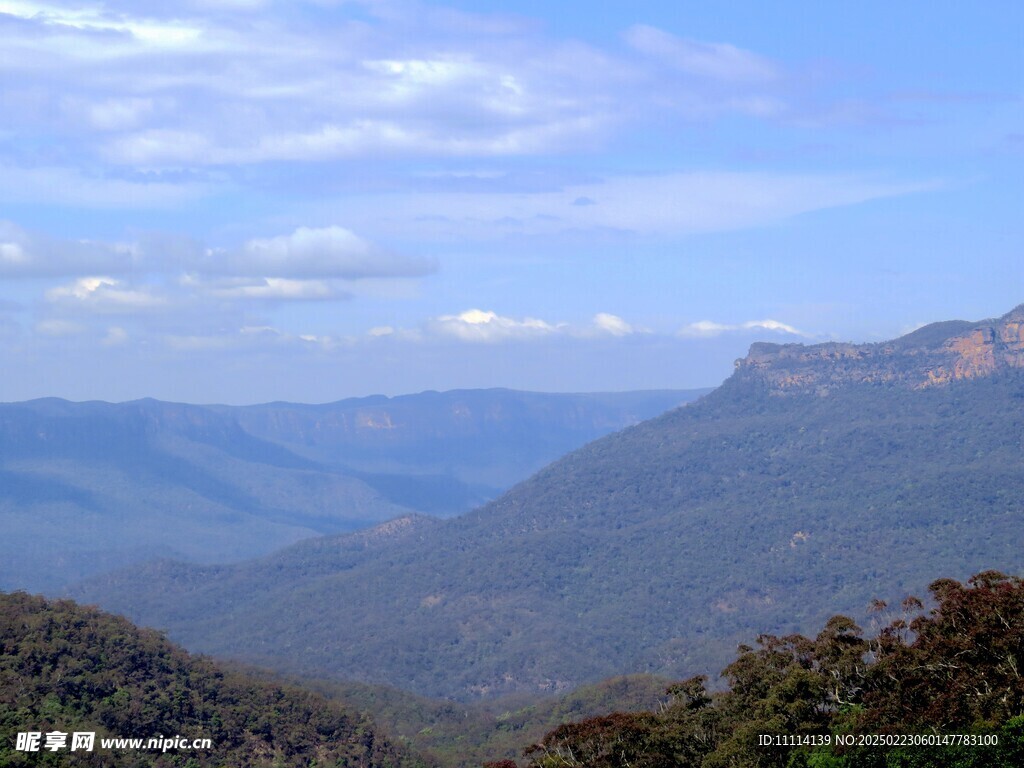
(466, 735)
(72, 669)
(87, 487)
(807, 484)
(935, 688)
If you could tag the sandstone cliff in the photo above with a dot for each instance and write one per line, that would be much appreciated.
(933, 355)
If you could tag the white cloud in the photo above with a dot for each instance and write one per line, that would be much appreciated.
(484, 326)
(105, 295)
(487, 326)
(82, 288)
(13, 255)
(709, 328)
(151, 32)
(314, 253)
(774, 325)
(467, 100)
(307, 264)
(27, 254)
(477, 325)
(196, 86)
(169, 288)
(612, 324)
(411, 74)
(269, 289)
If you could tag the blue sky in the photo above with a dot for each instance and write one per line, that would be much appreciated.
(246, 200)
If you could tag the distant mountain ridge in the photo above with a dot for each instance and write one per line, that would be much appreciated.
(660, 547)
(87, 487)
(933, 355)
(493, 437)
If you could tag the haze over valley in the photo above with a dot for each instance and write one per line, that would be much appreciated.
(114, 484)
(479, 384)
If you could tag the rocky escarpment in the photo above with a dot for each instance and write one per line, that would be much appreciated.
(933, 355)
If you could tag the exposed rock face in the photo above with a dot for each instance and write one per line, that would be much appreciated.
(934, 355)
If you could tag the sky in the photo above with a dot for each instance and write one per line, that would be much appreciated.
(240, 201)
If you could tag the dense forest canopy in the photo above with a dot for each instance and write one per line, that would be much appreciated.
(951, 675)
(948, 676)
(66, 668)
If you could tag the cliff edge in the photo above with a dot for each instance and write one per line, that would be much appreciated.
(930, 356)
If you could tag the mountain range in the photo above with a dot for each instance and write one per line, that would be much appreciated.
(86, 487)
(813, 480)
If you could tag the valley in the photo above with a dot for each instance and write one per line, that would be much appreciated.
(89, 487)
(816, 480)
(659, 549)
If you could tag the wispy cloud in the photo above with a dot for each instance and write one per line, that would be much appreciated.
(58, 18)
(139, 87)
(288, 90)
(278, 264)
(162, 287)
(268, 289)
(663, 204)
(70, 186)
(718, 61)
(245, 337)
(470, 327)
(28, 254)
(105, 295)
(709, 328)
(478, 327)
(314, 252)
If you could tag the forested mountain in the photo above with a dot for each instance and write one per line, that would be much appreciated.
(936, 688)
(814, 480)
(86, 487)
(67, 669)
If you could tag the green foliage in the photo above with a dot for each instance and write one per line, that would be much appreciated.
(462, 735)
(950, 671)
(68, 668)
